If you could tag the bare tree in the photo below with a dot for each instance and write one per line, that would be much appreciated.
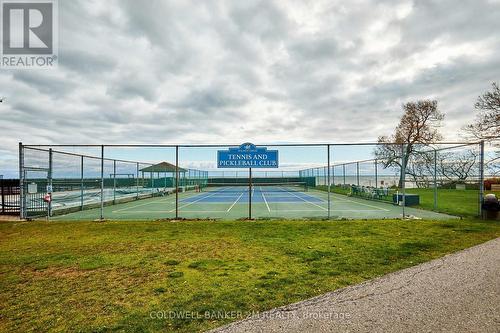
(487, 123)
(457, 167)
(420, 168)
(493, 165)
(418, 126)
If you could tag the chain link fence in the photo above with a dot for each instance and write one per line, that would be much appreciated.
(312, 181)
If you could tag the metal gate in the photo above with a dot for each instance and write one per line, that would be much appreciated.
(34, 189)
(9, 196)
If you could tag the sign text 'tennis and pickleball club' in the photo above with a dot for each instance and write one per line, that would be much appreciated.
(247, 156)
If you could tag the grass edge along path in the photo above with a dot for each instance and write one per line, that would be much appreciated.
(122, 276)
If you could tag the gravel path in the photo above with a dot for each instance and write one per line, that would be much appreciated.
(456, 293)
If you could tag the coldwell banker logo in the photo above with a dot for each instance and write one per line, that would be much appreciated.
(29, 34)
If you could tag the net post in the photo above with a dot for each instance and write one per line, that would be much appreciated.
(403, 177)
(176, 182)
(102, 184)
(435, 180)
(249, 193)
(49, 183)
(81, 182)
(481, 176)
(328, 177)
(22, 205)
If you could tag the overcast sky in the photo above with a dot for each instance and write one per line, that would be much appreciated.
(259, 71)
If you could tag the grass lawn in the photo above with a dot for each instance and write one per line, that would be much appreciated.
(100, 277)
(450, 201)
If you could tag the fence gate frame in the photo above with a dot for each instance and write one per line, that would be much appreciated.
(33, 202)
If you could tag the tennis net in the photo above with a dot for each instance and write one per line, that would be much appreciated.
(257, 187)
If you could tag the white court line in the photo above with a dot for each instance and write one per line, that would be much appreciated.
(337, 196)
(139, 205)
(225, 211)
(331, 210)
(168, 211)
(228, 196)
(234, 203)
(264, 197)
(363, 204)
(144, 204)
(311, 203)
(192, 202)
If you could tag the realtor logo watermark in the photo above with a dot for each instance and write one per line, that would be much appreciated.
(29, 34)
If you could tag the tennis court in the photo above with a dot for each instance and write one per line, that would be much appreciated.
(291, 181)
(268, 201)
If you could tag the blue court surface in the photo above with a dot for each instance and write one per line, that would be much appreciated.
(259, 195)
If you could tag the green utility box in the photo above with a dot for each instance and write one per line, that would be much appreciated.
(410, 199)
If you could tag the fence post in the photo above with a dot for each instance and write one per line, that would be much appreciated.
(435, 180)
(333, 175)
(403, 177)
(328, 177)
(3, 196)
(176, 182)
(249, 193)
(22, 205)
(114, 181)
(164, 180)
(137, 181)
(81, 183)
(49, 176)
(343, 171)
(152, 176)
(357, 173)
(102, 183)
(481, 177)
(376, 174)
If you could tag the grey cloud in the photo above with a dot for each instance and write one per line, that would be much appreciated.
(84, 62)
(317, 48)
(210, 99)
(262, 19)
(131, 87)
(464, 21)
(45, 84)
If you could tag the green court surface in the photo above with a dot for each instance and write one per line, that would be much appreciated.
(223, 205)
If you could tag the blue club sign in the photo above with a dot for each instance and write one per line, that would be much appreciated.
(247, 155)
